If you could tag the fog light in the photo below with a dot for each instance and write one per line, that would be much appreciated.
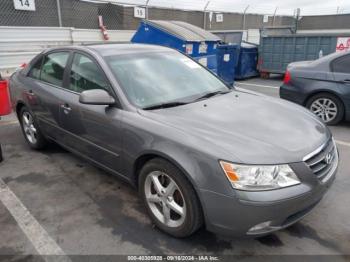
(260, 226)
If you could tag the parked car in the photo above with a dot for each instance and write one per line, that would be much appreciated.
(323, 86)
(199, 152)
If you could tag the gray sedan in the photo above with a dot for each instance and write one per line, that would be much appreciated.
(199, 152)
(323, 86)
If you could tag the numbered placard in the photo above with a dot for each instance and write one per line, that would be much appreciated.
(139, 12)
(27, 5)
(219, 18)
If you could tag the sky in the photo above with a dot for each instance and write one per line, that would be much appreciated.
(282, 7)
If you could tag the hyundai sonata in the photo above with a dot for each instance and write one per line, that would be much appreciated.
(200, 153)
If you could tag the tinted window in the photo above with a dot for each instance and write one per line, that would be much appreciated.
(162, 77)
(342, 65)
(35, 70)
(53, 68)
(86, 75)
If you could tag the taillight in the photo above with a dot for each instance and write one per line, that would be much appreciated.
(287, 77)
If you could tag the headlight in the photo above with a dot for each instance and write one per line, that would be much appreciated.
(258, 178)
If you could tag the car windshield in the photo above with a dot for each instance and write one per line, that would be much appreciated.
(162, 78)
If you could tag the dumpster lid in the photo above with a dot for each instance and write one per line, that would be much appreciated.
(184, 30)
(248, 45)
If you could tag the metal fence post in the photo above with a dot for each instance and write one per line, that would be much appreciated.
(205, 15)
(245, 11)
(59, 13)
(147, 9)
(274, 16)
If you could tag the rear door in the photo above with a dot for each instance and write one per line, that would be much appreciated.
(91, 130)
(44, 84)
(341, 71)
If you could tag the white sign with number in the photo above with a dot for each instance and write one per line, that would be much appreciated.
(139, 12)
(265, 19)
(219, 18)
(27, 5)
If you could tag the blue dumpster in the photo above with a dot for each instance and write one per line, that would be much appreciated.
(247, 61)
(226, 62)
(187, 38)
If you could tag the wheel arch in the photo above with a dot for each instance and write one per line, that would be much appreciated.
(147, 156)
(19, 105)
(323, 91)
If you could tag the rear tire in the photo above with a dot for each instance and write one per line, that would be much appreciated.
(31, 130)
(180, 203)
(328, 107)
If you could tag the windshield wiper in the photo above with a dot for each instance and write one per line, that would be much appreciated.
(165, 105)
(211, 94)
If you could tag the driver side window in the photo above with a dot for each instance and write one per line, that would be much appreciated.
(86, 75)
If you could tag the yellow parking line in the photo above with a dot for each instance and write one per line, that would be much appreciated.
(342, 143)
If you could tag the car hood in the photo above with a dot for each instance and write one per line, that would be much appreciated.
(248, 128)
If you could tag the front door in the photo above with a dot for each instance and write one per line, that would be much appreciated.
(92, 130)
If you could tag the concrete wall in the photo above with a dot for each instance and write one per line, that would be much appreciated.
(324, 22)
(231, 21)
(192, 17)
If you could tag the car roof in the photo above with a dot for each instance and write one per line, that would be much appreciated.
(330, 57)
(126, 48)
(111, 49)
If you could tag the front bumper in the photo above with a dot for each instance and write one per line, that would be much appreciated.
(236, 216)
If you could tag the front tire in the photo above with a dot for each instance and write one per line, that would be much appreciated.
(327, 107)
(30, 129)
(169, 198)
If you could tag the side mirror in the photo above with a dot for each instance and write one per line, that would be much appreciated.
(96, 97)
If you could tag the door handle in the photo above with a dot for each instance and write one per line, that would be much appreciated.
(30, 92)
(346, 81)
(66, 108)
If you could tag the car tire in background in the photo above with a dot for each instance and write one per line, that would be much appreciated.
(30, 129)
(328, 107)
(169, 198)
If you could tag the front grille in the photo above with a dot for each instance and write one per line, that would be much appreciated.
(323, 161)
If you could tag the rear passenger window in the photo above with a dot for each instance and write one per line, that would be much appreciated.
(86, 75)
(53, 68)
(35, 70)
(341, 65)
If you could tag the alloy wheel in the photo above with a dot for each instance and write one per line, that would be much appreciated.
(29, 128)
(165, 199)
(325, 109)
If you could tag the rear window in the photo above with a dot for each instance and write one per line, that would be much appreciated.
(53, 67)
(35, 70)
(341, 65)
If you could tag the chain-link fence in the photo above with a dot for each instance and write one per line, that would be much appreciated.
(116, 14)
(84, 14)
(61, 13)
